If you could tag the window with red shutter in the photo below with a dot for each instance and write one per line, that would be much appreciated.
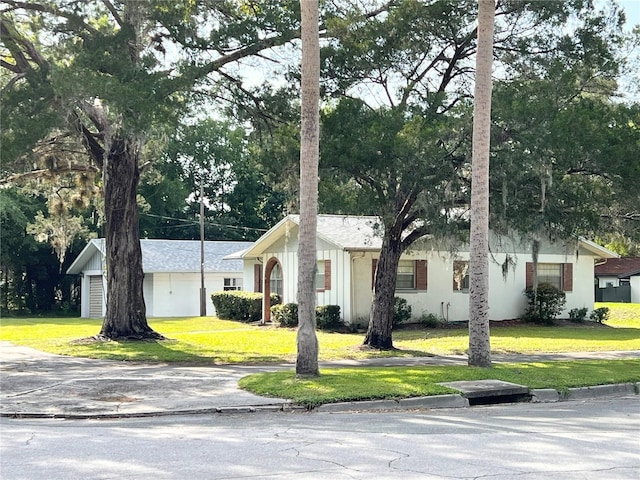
(421, 274)
(257, 277)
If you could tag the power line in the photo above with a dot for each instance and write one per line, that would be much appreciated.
(187, 223)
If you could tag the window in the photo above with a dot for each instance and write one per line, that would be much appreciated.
(406, 275)
(232, 284)
(276, 280)
(560, 275)
(550, 273)
(323, 275)
(460, 276)
(411, 275)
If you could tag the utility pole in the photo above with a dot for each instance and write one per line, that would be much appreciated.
(203, 292)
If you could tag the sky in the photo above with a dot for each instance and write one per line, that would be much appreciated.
(632, 10)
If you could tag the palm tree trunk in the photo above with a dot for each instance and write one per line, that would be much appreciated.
(307, 358)
(479, 336)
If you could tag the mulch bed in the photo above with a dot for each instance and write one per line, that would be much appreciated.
(560, 323)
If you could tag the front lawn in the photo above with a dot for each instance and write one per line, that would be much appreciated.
(207, 339)
(368, 383)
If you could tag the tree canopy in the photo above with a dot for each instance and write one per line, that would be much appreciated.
(105, 76)
(128, 102)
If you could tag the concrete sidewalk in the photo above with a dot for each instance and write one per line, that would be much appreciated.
(38, 384)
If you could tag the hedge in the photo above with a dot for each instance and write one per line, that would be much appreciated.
(239, 305)
(327, 316)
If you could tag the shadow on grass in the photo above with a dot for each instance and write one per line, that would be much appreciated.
(162, 351)
(61, 321)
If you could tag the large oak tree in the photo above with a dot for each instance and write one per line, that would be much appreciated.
(106, 73)
(412, 71)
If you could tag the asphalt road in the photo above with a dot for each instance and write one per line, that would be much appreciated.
(594, 439)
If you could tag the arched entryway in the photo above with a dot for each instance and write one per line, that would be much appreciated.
(272, 284)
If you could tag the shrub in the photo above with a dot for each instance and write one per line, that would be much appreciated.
(578, 314)
(544, 305)
(430, 320)
(401, 311)
(285, 315)
(239, 305)
(328, 317)
(600, 315)
(359, 324)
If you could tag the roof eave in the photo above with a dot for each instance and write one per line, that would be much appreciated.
(598, 250)
(76, 267)
(260, 245)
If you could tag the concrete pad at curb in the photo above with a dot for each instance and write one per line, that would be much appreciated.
(486, 388)
(599, 391)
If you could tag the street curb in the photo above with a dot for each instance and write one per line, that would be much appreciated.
(550, 395)
(354, 406)
(544, 395)
(453, 400)
(271, 408)
(436, 401)
(600, 391)
(539, 395)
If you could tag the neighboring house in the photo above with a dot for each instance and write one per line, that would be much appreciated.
(171, 275)
(618, 280)
(431, 277)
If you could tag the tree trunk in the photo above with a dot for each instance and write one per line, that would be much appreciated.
(381, 317)
(479, 336)
(126, 312)
(307, 358)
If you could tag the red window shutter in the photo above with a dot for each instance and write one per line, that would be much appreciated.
(257, 277)
(421, 274)
(567, 277)
(529, 275)
(327, 274)
(374, 265)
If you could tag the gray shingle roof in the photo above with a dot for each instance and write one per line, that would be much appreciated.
(184, 256)
(349, 232)
(176, 255)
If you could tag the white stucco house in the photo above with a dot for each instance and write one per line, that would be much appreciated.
(171, 275)
(430, 277)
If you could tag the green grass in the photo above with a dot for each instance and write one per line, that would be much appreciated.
(623, 315)
(210, 340)
(207, 339)
(352, 384)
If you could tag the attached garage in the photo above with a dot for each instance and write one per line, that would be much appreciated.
(96, 296)
(171, 275)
